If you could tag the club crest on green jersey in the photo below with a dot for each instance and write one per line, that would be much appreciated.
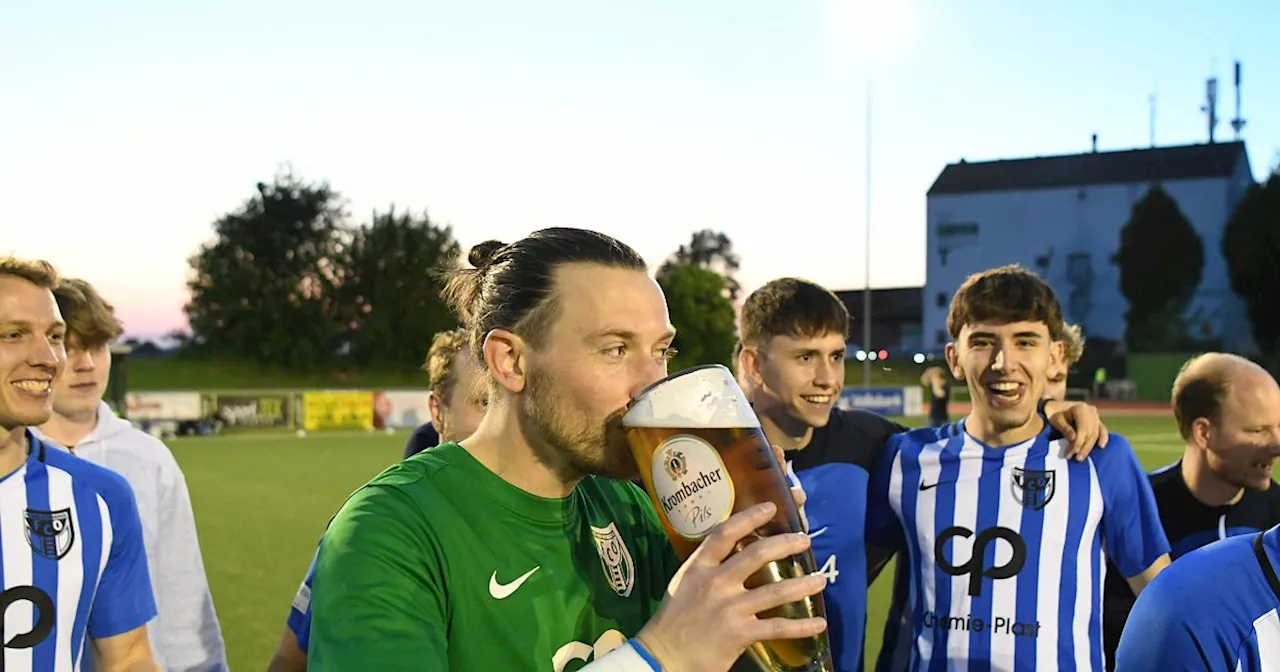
(615, 558)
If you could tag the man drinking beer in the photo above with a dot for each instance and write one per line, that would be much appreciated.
(524, 547)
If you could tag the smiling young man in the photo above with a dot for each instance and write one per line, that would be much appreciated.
(1003, 537)
(73, 568)
(791, 363)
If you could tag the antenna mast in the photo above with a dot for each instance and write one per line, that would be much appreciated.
(1151, 100)
(1210, 106)
(1238, 123)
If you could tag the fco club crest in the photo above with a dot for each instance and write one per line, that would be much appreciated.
(50, 533)
(1033, 488)
(615, 558)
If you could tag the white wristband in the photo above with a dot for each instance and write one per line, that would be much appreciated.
(621, 659)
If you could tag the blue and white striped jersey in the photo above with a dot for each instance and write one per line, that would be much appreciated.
(1216, 608)
(72, 561)
(1001, 549)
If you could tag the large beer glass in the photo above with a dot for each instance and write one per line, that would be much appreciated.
(703, 457)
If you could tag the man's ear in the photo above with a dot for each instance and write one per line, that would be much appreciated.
(504, 355)
(750, 361)
(1058, 356)
(1201, 433)
(953, 361)
(434, 406)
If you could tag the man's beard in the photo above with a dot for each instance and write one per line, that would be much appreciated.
(569, 442)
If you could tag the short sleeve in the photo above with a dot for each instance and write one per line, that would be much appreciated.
(299, 620)
(378, 589)
(1131, 527)
(125, 600)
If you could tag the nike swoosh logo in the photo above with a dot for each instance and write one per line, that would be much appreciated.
(817, 532)
(501, 591)
(931, 486)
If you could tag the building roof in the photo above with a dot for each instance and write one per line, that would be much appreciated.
(898, 303)
(1123, 167)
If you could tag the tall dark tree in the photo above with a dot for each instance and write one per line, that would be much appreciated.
(703, 316)
(710, 250)
(391, 286)
(264, 288)
(1251, 246)
(1161, 258)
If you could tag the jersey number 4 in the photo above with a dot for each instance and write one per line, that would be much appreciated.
(829, 569)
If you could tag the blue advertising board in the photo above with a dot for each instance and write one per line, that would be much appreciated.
(890, 401)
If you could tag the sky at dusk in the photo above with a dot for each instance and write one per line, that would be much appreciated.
(129, 127)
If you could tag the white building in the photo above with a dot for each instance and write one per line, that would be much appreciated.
(1061, 217)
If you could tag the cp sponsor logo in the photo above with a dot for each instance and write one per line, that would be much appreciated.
(42, 613)
(975, 567)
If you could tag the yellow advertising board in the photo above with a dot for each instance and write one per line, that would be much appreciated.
(337, 410)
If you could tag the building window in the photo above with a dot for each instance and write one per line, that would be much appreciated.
(958, 229)
(942, 299)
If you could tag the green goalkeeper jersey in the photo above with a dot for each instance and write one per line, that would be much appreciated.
(439, 564)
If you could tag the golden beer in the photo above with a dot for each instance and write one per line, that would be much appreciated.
(703, 457)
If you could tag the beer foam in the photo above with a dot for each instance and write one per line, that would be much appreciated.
(704, 397)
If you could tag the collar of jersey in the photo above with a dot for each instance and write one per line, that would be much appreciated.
(1000, 452)
(557, 513)
(35, 453)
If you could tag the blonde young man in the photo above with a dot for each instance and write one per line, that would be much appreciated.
(457, 403)
(74, 586)
(185, 634)
(1072, 351)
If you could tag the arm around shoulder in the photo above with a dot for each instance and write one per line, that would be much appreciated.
(378, 595)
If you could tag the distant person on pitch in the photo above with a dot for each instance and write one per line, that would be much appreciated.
(185, 634)
(938, 382)
(1228, 412)
(74, 586)
(458, 393)
(459, 398)
(1072, 350)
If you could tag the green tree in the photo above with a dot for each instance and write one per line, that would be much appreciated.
(391, 287)
(703, 316)
(264, 288)
(1161, 258)
(1251, 247)
(710, 250)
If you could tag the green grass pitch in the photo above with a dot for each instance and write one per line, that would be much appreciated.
(262, 500)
